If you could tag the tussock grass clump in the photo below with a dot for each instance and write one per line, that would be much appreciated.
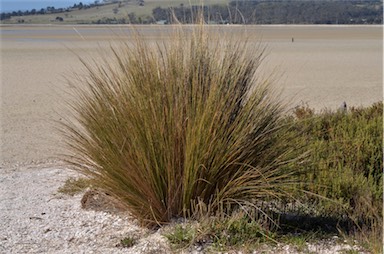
(187, 123)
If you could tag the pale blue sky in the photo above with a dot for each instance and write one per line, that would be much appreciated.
(23, 5)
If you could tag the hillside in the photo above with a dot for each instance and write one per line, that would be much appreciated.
(217, 12)
(123, 11)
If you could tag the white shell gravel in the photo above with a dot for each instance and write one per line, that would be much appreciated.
(35, 218)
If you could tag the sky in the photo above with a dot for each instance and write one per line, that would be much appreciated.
(24, 5)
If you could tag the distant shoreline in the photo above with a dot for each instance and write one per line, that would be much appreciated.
(186, 25)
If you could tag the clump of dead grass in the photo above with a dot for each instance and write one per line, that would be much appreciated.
(169, 126)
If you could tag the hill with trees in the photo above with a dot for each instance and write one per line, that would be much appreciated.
(280, 12)
(215, 12)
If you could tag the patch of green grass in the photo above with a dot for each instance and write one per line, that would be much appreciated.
(298, 241)
(350, 251)
(181, 236)
(73, 186)
(127, 242)
(237, 232)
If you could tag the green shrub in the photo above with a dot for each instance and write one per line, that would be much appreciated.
(343, 174)
(238, 230)
(164, 127)
(346, 162)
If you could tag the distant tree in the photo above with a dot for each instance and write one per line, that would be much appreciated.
(160, 14)
(50, 9)
(4, 16)
(132, 18)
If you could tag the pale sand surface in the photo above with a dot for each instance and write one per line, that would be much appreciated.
(325, 66)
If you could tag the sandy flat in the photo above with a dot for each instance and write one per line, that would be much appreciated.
(324, 66)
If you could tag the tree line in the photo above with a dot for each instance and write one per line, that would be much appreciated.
(47, 10)
(245, 12)
(278, 12)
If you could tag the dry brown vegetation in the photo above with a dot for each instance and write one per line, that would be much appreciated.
(170, 128)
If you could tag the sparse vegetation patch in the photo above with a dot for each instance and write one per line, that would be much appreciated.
(73, 186)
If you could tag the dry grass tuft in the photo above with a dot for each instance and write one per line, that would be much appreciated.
(166, 127)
